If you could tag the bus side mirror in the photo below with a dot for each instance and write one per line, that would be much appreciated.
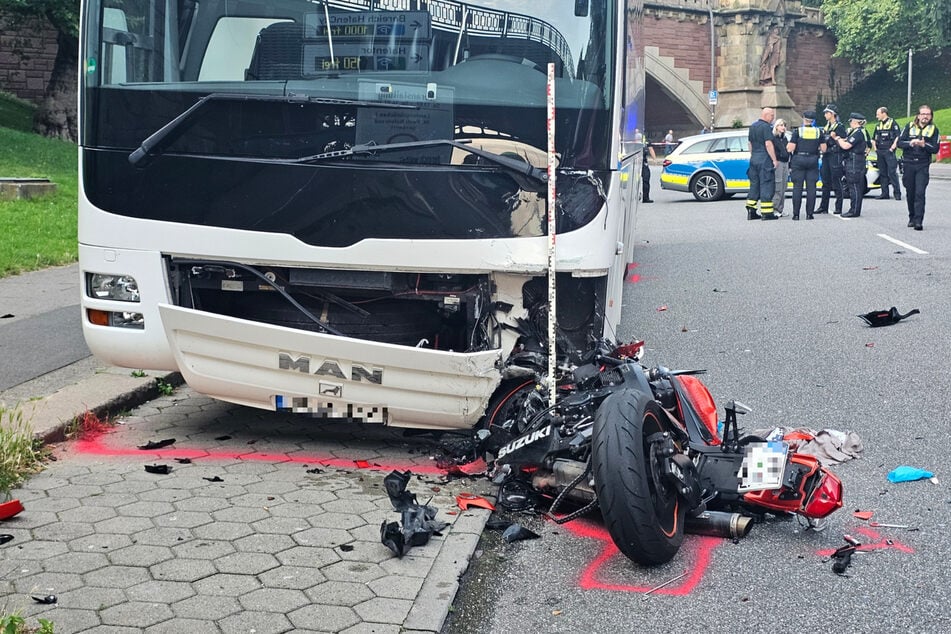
(581, 8)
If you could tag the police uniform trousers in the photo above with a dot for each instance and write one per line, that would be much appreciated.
(762, 177)
(804, 170)
(915, 178)
(832, 180)
(645, 181)
(888, 173)
(855, 181)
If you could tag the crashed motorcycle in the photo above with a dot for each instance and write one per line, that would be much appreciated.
(644, 445)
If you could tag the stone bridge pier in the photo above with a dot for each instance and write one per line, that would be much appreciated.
(758, 53)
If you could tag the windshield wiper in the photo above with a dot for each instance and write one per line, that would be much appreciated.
(156, 142)
(520, 167)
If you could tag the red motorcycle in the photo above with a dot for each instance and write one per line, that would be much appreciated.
(644, 445)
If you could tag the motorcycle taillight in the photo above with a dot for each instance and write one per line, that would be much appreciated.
(825, 498)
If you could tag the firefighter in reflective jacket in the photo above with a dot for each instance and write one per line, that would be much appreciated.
(832, 169)
(884, 142)
(919, 142)
(804, 146)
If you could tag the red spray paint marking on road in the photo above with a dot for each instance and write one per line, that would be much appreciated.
(629, 276)
(696, 550)
(881, 544)
(95, 446)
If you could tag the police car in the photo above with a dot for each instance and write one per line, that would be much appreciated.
(713, 166)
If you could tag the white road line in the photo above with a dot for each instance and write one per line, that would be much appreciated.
(902, 244)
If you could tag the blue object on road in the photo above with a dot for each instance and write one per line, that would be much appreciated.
(908, 474)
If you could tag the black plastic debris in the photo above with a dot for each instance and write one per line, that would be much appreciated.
(392, 537)
(879, 318)
(183, 460)
(395, 485)
(157, 444)
(49, 599)
(162, 469)
(498, 525)
(418, 520)
(842, 557)
(517, 532)
(346, 547)
(226, 437)
(5, 537)
(214, 479)
(315, 470)
(7, 316)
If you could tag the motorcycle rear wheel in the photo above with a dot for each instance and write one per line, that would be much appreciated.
(643, 515)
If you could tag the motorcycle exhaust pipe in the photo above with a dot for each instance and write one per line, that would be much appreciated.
(719, 524)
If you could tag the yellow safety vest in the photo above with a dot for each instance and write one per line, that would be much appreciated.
(885, 125)
(915, 131)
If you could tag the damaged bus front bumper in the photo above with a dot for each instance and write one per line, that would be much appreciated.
(275, 367)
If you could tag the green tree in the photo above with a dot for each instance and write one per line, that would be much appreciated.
(56, 115)
(878, 33)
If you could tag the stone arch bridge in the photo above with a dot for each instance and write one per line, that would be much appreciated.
(773, 53)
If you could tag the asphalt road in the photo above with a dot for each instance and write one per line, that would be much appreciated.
(41, 328)
(769, 310)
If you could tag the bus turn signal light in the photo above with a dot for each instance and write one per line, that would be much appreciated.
(98, 317)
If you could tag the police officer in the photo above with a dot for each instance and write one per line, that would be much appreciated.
(762, 170)
(919, 142)
(804, 146)
(832, 172)
(884, 143)
(646, 175)
(854, 148)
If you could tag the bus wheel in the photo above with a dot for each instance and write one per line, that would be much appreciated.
(642, 513)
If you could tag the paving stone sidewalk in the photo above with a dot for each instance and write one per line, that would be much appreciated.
(288, 540)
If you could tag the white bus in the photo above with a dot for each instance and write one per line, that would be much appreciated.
(339, 207)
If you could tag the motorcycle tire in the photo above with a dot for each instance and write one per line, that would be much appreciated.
(503, 408)
(643, 515)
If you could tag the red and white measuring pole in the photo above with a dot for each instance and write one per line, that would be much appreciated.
(552, 303)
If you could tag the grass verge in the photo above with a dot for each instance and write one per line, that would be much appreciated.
(16, 114)
(38, 232)
(20, 453)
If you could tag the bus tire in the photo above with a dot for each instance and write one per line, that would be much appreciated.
(646, 521)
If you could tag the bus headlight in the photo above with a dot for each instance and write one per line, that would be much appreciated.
(121, 288)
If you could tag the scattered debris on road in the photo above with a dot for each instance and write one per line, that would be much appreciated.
(908, 474)
(879, 318)
(418, 520)
(157, 444)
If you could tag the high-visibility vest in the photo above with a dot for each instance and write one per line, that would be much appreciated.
(915, 131)
(885, 125)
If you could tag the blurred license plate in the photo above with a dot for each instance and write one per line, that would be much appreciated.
(322, 408)
(763, 466)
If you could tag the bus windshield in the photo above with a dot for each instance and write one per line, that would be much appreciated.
(473, 71)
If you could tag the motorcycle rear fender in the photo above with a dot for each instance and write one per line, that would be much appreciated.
(808, 489)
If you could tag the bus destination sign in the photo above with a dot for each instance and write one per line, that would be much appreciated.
(401, 25)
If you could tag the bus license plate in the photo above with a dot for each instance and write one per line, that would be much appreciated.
(321, 408)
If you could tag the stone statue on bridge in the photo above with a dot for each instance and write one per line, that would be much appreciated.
(772, 57)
